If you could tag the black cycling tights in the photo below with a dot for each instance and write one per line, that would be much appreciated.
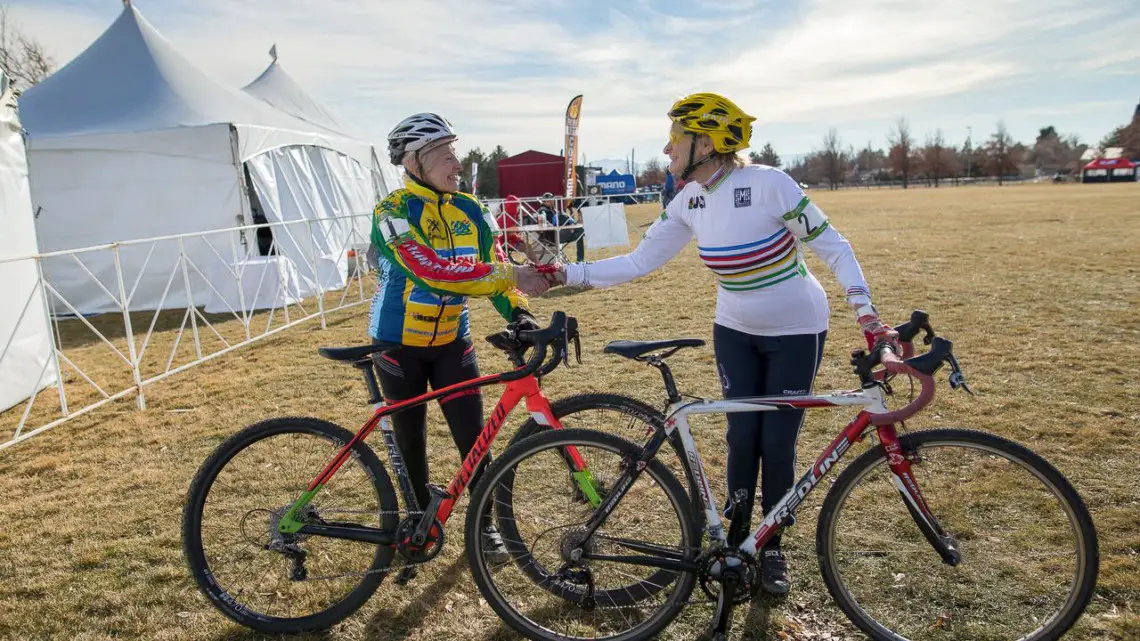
(405, 373)
(764, 366)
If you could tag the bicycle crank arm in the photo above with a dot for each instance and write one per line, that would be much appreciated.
(351, 532)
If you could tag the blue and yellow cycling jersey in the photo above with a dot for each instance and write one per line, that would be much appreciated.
(435, 250)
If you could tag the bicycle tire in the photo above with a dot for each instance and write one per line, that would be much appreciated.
(505, 515)
(1079, 517)
(545, 440)
(200, 488)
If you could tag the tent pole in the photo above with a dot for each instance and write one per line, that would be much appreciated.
(125, 305)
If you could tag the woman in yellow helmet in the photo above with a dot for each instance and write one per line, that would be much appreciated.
(751, 223)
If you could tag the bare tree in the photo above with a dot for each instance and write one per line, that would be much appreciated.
(901, 154)
(833, 158)
(934, 156)
(1000, 154)
(653, 174)
(23, 59)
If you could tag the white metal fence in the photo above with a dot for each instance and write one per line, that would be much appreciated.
(167, 304)
(125, 315)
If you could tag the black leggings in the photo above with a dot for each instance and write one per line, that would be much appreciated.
(763, 366)
(405, 373)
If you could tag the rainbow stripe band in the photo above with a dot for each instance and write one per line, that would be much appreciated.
(755, 265)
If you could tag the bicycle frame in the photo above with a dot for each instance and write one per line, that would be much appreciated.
(526, 388)
(871, 399)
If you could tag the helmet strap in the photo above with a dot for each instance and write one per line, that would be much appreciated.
(692, 166)
(423, 183)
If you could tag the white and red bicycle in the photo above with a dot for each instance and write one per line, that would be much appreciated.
(988, 540)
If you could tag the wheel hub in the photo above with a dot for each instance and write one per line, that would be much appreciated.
(575, 539)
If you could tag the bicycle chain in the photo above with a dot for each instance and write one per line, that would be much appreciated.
(416, 564)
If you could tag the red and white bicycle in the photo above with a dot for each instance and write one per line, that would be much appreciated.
(988, 541)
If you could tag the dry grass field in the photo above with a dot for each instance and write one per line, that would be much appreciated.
(1038, 286)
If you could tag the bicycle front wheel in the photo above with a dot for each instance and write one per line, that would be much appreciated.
(653, 518)
(1028, 548)
(275, 582)
(622, 416)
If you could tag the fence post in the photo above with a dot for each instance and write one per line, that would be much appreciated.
(317, 275)
(130, 333)
(189, 298)
(55, 339)
(239, 271)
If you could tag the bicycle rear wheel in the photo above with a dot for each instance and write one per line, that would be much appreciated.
(655, 512)
(1029, 550)
(247, 568)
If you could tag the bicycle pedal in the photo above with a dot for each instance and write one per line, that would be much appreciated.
(406, 575)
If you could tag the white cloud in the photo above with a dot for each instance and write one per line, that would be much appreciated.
(504, 70)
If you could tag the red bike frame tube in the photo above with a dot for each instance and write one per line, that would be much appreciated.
(826, 461)
(900, 467)
(514, 392)
(343, 454)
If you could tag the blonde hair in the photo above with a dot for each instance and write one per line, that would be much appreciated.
(724, 159)
(728, 160)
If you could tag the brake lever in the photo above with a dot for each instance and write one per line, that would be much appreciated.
(957, 378)
(928, 336)
(577, 348)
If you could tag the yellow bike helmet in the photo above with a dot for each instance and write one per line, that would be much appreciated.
(715, 116)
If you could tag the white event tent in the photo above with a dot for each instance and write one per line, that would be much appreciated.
(130, 140)
(27, 362)
(277, 88)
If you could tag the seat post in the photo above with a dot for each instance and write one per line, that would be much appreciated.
(667, 375)
(365, 366)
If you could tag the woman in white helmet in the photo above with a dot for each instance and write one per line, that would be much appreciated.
(436, 247)
(751, 223)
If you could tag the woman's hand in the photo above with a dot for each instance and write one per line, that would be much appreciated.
(555, 273)
(875, 331)
(530, 281)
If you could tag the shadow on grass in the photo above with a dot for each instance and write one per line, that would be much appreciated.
(389, 623)
(236, 633)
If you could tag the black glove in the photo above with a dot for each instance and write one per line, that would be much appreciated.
(524, 321)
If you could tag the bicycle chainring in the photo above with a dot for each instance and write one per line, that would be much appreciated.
(419, 553)
(718, 562)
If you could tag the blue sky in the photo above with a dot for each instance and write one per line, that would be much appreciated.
(504, 70)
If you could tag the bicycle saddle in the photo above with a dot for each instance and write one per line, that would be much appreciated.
(353, 354)
(635, 349)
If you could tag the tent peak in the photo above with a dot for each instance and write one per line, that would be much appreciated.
(272, 51)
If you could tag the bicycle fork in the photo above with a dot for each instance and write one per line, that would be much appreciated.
(900, 462)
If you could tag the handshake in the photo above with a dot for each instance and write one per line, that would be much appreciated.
(534, 280)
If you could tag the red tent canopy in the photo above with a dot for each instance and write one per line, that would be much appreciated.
(531, 173)
(1110, 163)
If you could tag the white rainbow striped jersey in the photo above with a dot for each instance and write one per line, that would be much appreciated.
(750, 224)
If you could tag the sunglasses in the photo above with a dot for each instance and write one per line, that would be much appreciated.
(678, 137)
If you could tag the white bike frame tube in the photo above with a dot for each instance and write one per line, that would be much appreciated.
(872, 399)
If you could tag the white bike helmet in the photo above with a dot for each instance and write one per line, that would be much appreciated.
(416, 132)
